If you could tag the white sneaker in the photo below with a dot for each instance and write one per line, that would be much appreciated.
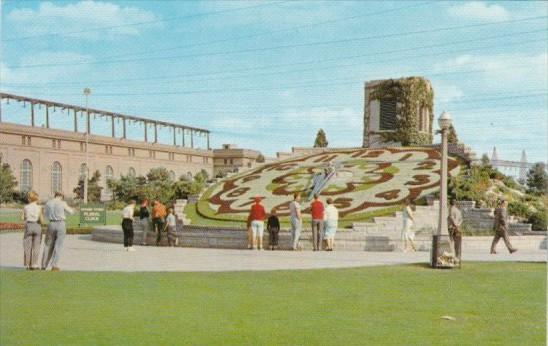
(131, 249)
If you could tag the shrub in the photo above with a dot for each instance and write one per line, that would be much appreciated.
(520, 209)
(539, 220)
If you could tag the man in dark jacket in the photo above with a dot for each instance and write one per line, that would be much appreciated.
(501, 228)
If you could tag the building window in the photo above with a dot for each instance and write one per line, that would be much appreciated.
(172, 156)
(25, 183)
(188, 158)
(131, 172)
(56, 177)
(56, 143)
(388, 113)
(225, 161)
(82, 146)
(172, 175)
(131, 151)
(25, 140)
(108, 149)
(231, 161)
(152, 154)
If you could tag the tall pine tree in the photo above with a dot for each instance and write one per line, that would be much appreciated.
(321, 139)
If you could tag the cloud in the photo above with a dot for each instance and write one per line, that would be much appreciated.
(477, 10)
(52, 18)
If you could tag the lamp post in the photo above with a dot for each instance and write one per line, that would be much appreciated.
(87, 91)
(444, 122)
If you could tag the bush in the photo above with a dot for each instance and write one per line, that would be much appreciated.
(538, 220)
(519, 209)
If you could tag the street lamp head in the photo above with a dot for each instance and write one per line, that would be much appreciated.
(444, 121)
(87, 91)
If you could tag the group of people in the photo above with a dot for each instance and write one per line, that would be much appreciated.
(454, 223)
(163, 221)
(34, 216)
(324, 223)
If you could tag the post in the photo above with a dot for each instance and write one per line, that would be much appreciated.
(183, 135)
(47, 116)
(124, 127)
(155, 133)
(75, 119)
(208, 141)
(32, 114)
(174, 136)
(442, 225)
(87, 91)
(145, 126)
(191, 139)
(112, 126)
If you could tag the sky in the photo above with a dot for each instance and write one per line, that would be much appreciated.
(267, 75)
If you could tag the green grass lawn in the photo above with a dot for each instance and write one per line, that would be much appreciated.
(493, 303)
(114, 217)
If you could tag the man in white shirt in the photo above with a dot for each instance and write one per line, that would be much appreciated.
(454, 222)
(127, 225)
(171, 224)
(55, 212)
(296, 220)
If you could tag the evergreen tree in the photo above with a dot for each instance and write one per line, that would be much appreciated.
(321, 139)
(537, 179)
(94, 190)
(7, 183)
(452, 135)
(260, 158)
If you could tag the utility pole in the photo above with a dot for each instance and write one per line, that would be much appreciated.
(87, 91)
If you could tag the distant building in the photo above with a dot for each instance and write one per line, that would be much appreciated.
(47, 160)
(398, 112)
(232, 159)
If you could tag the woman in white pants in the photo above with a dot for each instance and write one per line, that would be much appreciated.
(32, 215)
(408, 234)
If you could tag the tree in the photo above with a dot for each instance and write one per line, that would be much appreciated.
(452, 135)
(321, 140)
(260, 158)
(94, 190)
(537, 179)
(7, 183)
(485, 160)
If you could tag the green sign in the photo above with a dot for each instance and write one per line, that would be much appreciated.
(93, 214)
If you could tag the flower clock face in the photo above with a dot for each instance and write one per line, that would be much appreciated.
(362, 180)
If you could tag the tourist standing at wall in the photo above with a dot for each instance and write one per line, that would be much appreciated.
(296, 220)
(331, 218)
(317, 213)
(408, 234)
(55, 212)
(127, 225)
(32, 215)
(256, 217)
(171, 224)
(144, 219)
(455, 221)
(501, 228)
(273, 228)
(158, 219)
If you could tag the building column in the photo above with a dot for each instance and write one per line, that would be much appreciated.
(88, 122)
(47, 116)
(124, 128)
(112, 127)
(32, 114)
(174, 136)
(155, 133)
(183, 135)
(75, 119)
(191, 139)
(208, 141)
(145, 126)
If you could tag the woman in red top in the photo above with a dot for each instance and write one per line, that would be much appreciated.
(256, 218)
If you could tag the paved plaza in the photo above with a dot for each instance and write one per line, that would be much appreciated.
(80, 253)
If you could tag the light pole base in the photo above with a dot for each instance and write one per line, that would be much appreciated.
(442, 255)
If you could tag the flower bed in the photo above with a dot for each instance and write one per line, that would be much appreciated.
(366, 181)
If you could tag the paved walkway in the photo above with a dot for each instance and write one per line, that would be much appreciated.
(82, 254)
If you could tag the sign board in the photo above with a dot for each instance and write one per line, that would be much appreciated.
(93, 214)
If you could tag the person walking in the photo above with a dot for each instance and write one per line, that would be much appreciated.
(158, 219)
(144, 219)
(408, 235)
(501, 228)
(32, 215)
(256, 217)
(296, 220)
(331, 220)
(127, 225)
(55, 212)
(455, 221)
(171, 225)
(273, 228)
(317, 213)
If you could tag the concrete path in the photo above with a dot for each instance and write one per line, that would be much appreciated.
(80, 253)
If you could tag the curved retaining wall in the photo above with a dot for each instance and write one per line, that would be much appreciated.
(230, 238)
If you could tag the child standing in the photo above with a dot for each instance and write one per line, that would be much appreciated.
(171, 225)
(273, 228)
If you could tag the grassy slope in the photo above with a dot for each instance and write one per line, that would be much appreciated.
(494, 304)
